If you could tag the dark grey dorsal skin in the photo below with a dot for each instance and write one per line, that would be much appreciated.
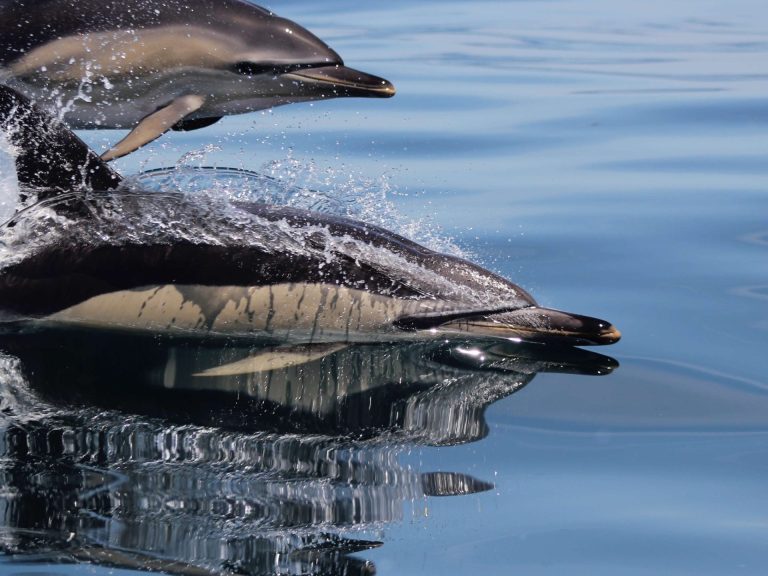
(156, 65)
(63, 274)
(176, 263)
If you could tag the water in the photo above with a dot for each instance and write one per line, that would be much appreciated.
(607, 156)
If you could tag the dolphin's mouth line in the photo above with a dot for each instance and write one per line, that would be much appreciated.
(341, 77)
(610, 334)
(334, 75)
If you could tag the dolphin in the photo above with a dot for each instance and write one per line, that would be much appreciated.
(156, 66)
(93, 252)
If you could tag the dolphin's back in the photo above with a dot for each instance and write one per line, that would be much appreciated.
(448, 267)
(115, 246)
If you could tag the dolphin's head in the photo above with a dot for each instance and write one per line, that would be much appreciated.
(536, 324)
(287, 60)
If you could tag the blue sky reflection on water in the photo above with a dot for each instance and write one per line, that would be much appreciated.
(610, 157)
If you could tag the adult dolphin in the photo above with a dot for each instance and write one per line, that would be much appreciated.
(169, 263)
(152, 66)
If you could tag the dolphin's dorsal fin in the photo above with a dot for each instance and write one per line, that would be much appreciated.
(50, 157)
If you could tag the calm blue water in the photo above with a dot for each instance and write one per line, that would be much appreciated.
(607, 156)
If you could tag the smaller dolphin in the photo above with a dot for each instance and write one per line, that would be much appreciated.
(157, 66)
(165, 263)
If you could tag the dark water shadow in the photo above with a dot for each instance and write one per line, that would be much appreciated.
(175, 456)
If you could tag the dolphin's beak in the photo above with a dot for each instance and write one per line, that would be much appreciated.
(343, 81)
(535, 324)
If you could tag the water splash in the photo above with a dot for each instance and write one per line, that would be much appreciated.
(9, 185)
(18, 401)
(301, 184)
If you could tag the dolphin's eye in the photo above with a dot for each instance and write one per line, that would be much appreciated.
(254, 69)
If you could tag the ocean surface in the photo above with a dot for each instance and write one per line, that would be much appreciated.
(608, 156)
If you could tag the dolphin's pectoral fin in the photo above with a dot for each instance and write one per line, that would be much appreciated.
(275, 359)
(195, 124)
(155, 125)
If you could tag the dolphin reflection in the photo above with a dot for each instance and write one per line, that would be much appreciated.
(263, 472)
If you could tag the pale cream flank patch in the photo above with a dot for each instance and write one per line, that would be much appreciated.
(318, 311)
(158, 308)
